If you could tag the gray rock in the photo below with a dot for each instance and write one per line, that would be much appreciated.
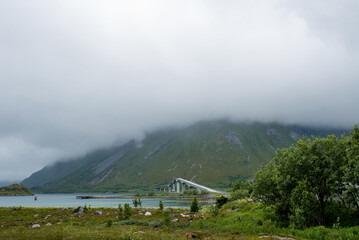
(81, 210)
(36, 215)
(98, 212)
(48, 224)
(35, 226)
(47, 216)
(148, 214)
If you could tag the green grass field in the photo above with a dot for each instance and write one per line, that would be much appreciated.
(241, 219)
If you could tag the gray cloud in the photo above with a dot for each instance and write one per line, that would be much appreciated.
(76, 75)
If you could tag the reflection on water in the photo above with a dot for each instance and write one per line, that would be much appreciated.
(69, 200)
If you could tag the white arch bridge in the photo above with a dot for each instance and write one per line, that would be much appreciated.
(178, 185)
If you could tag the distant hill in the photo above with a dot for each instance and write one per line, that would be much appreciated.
(15, 190)
(211, 153)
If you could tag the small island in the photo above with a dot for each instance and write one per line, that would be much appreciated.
(15, 190)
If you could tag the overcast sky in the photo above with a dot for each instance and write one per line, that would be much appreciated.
(80, 74)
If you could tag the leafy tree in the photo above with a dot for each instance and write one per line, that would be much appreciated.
(265, 187)
(351, 174)
(161, 205)
(194, 206)
(242, 185)
(139, 202)
(135, 203)
(302, 180)
(241, 190)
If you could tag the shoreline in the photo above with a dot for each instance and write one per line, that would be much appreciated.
(199, 197)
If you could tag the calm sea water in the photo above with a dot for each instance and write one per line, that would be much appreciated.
(69, 200)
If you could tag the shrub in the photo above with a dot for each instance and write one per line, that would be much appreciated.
(166, 218)
(220, 201)
(194, 205)
(127, 213)
(239, 194)
(120, 212)
(161, 205)
(109, 223)
(135, 203)
(214, 210)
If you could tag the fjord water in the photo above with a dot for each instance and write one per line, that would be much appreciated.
(70, 200)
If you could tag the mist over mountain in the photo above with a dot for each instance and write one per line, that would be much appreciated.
(213, 153)
(76, 76)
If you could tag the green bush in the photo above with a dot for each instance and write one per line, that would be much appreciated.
(109, 223)
(120, 213)
(166, 218)
(127, 213)
(239, 194)
(220, 201)
(214, 210)
(194, 206)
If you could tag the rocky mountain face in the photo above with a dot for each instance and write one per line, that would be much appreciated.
(212, 153)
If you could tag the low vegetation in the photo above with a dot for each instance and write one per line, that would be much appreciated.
(15, 190)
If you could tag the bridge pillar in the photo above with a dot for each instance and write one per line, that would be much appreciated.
(178, 187)
(169, 189)
(183, 187)
(173, 187)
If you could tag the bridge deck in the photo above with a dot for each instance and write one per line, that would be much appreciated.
(198, 186)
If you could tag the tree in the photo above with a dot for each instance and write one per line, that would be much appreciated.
(351, 173)
(135, 203)
(194, 206)
(241, 190)
(303, 179)
(161, 205)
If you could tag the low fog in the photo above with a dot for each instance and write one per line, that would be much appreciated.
(79, 75)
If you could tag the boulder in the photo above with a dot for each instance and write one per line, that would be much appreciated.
(98, 213)
(182, 215)
(81, 210)
(35, 226)
(48, 224)
(148, 214)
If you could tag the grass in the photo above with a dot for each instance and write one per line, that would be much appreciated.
(255, 219)
(241, 219)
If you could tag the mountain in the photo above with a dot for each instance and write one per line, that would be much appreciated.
(210, 153)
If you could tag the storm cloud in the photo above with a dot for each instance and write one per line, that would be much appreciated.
(78, 75)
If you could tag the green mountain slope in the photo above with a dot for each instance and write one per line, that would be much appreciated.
(210, 153)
